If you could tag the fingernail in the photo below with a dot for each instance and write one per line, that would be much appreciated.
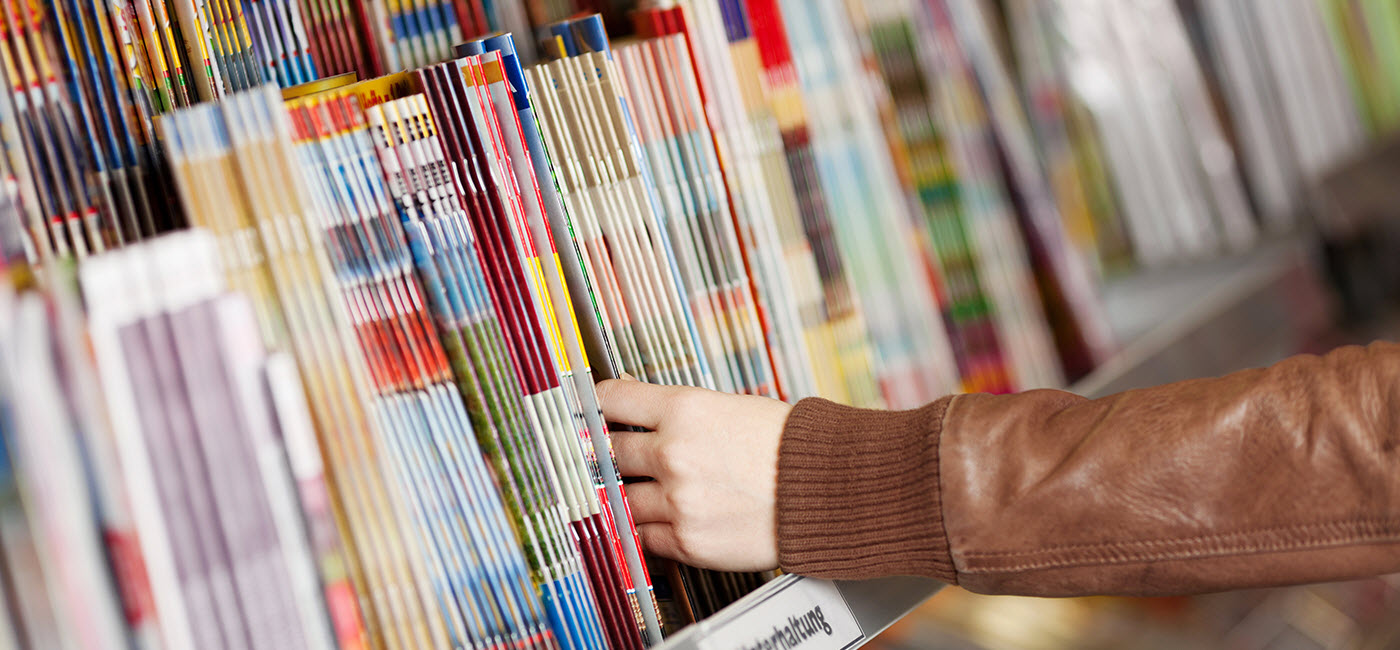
(627, 376)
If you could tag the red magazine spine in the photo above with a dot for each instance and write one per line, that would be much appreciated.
(465, 20)
(647, 22)
(478, 18)
(365, 49)
(324, 49)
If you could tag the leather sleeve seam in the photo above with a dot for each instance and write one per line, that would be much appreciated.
(938, 479)
(1283, 528)
(1119, 553)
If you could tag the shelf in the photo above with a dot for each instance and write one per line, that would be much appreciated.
(856, 611)
(1206, 319)
(1213, 317)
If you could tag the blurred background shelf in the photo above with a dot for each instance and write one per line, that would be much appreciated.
(1213, 317)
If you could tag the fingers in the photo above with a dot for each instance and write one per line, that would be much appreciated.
(633, 402)
(636, 453)
(648, 503)
(661, 539)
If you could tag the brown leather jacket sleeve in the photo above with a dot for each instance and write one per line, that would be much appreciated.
(1265, 477)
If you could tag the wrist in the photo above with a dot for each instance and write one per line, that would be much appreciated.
(858, 492)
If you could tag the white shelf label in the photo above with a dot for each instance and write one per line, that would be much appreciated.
(803, 614)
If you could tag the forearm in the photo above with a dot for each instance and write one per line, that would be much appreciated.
(1263, 477)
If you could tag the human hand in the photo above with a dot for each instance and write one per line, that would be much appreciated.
(714, 458)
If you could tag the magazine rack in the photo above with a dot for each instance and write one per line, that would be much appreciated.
(1207, 319)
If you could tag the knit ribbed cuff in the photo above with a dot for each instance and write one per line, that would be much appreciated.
(858, 493)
